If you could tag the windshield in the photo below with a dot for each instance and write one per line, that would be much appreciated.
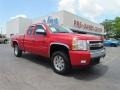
(59, 29)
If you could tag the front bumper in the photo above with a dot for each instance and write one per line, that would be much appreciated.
(82, 58)
(98, 53)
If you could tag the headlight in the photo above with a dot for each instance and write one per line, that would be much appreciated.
(79, 44)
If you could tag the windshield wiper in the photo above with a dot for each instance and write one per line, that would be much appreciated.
(63, 32)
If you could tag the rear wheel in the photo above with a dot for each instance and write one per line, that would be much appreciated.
(5, 41)
(17, 51)
(60, 62)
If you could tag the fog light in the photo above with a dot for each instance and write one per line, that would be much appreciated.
(83, 61)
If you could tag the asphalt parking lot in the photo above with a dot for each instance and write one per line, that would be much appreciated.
(31, 72)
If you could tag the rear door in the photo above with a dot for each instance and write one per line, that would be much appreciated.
(28, 39)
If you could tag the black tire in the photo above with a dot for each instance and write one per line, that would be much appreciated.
(65, 68)
(5, 41)
(113, 45)
(17, 51)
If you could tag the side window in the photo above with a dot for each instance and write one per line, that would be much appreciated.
(39, 30)
(29, 32)
(39, 27)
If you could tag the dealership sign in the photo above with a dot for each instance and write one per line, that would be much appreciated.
(84, 26)
(51, 20)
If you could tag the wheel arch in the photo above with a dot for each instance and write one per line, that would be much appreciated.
(14, 43)
(58, 47)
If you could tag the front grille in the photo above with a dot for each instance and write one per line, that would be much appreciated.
(95, 45)
(95, 48)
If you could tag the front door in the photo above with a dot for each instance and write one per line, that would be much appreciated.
(41, 41)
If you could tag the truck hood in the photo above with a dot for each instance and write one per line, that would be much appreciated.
(80, 36)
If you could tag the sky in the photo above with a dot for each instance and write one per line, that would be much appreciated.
(94, 10)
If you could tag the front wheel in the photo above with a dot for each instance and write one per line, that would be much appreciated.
(17, 51)
(60, 62)
(113, 45)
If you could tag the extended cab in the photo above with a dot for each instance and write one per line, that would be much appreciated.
(64, 48)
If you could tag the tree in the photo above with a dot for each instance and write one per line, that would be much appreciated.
(116, 26)
(108, 26)
(112, 27)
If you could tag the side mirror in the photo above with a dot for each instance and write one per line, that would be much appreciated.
(40, 31)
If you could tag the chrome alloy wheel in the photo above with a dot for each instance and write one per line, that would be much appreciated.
(16, 50)
(59, 63)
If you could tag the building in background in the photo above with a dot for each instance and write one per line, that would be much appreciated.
(74, 22)
(17, 26)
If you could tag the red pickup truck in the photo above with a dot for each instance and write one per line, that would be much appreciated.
(64, 48)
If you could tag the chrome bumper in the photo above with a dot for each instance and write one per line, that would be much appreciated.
(98, 53)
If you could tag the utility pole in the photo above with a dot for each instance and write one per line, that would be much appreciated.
(1, 30)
